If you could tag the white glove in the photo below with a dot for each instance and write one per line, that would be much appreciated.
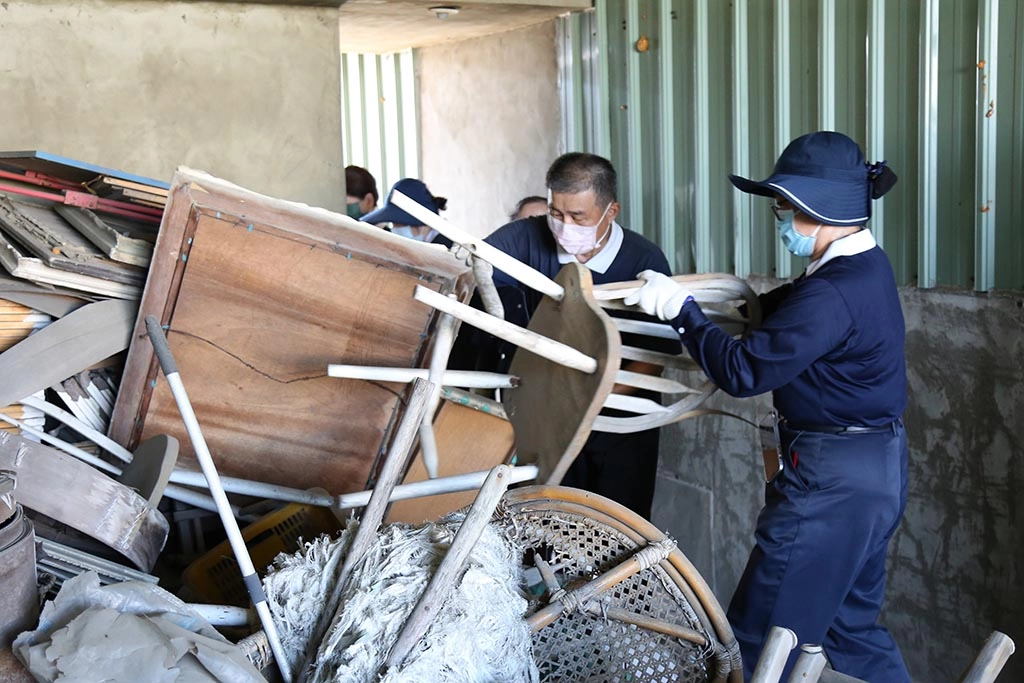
(660, 296)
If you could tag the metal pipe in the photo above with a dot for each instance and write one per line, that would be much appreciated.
(234, 534)
(774, 655)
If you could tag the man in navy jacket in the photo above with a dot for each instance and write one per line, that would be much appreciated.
(580, 226)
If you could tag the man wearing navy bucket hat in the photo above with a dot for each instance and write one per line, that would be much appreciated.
(830, 350)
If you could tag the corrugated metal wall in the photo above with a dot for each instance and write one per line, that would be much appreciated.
(379, 121)
(679, 93)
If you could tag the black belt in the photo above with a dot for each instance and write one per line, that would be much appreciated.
(836, 429)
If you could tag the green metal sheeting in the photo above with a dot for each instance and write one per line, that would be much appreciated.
(380, 129)
(679, 93)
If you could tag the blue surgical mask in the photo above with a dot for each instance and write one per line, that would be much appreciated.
(352, 210)
(797, 244)
(406, 231)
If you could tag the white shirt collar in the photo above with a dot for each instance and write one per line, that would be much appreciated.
(601, 261)
(857, 243)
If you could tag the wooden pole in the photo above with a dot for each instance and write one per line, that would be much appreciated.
(554, 351)
(774, 655)
(990, 660)
(466, 379)
(646, 557)
(395, 464)
(648, 622)
(809, 664)
(452, 567)
(444, 337)
(480, 249)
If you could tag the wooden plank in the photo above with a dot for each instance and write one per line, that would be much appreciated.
(19, 263)
(468, 440)
(49, 300)
(145, 197)
(121, 243)
(554, 407)
(64, 347)
(69, 491)
(67, 169)
(258, 297)
(111, 182)
(47, 236)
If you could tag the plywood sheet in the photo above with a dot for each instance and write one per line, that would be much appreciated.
(468, 440)
(259, 296)
(553, 408)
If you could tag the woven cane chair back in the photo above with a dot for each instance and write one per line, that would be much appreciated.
(581, 536)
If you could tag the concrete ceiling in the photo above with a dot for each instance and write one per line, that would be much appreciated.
(390, 25)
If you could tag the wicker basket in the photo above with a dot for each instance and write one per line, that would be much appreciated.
(585, 536)
(654, 620)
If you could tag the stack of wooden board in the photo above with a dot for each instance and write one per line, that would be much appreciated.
(16, 323)
(118, 188)
(74, 225)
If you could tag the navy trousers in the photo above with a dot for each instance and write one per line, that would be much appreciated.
(818, 566)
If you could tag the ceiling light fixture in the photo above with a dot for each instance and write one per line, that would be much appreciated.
(444, 11)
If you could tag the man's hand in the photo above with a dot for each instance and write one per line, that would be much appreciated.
(660, 296)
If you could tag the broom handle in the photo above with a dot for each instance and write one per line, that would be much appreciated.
(452, 567)
(395, 464)
(195, 434)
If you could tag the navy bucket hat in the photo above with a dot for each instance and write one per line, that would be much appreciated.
(412, 188)
(824, 175)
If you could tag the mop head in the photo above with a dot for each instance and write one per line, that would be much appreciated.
(478, 635)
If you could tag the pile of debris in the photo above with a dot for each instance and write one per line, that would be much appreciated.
(124, 291)
(256, 298)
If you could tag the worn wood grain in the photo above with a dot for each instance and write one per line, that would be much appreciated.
(62, 348)
(468, 440)
(259, 296)
(72, 492)
(553, 408)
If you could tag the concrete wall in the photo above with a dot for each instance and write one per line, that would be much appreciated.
(489, 122)
(248, 93)
(956, 565)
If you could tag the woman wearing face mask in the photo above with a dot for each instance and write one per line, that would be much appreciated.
(580, 226)
(830, 350)
(403, 223)
(360, 191)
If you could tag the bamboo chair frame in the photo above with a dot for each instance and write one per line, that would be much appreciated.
(640, 619)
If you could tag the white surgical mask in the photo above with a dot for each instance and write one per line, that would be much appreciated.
(577, 239)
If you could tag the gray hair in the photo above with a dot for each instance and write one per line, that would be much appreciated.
(577, 172)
